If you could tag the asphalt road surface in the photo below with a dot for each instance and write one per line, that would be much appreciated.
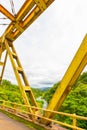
(7, 123)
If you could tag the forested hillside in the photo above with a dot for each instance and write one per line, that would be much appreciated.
(76, 101)
(11, 92)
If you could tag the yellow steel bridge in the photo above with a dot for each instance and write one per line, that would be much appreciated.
(27, 14)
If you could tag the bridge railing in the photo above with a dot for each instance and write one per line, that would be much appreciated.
(20, 109)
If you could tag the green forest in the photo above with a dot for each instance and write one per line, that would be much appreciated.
(11, 92)
(76, 101)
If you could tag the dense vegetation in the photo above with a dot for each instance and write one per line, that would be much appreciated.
(11, 92)
(76, 101)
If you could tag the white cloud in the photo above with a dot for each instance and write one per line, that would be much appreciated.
(47, 47)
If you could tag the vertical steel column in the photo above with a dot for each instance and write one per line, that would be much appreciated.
(3, 64)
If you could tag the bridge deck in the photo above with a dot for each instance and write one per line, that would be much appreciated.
(7, 123)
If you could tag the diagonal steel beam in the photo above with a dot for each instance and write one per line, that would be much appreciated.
(74, 70)
(27, 6)
(6, 13)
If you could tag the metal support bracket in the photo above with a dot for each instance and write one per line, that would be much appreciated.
(41, 4)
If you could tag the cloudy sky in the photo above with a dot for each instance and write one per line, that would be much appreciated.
(48, 46)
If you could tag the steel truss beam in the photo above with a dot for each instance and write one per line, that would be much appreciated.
(77, 65)
(6, 13)
(28, 13)
(3, 64)
(20, 75)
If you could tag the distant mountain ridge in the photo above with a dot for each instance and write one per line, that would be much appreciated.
(44, 88)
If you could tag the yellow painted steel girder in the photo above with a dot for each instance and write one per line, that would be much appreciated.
(20, 76)
(28, 13)
(77, 65)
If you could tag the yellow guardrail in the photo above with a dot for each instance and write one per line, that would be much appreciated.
(20, 108)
